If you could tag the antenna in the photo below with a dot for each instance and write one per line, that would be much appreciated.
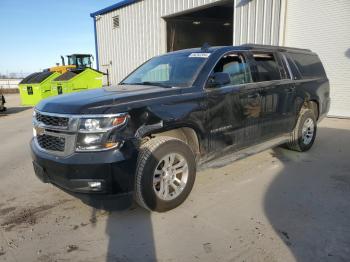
(205, 47)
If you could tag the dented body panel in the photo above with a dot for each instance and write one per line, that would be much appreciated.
(224, 119)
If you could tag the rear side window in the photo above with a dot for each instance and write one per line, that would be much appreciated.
(309, 65)
(293, 68)
(267, 67)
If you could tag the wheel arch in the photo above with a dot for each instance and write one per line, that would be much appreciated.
(313, 105)
(306, 103)
(185, 134)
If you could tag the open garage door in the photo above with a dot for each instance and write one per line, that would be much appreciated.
(212, 25)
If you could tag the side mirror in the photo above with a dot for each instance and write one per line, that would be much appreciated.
(219, 79)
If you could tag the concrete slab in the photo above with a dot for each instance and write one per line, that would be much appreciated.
(278, 205)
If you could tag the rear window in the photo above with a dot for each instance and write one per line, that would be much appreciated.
(267, 67)
(309, 65)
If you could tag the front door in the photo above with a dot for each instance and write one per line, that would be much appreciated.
(276, 94)
(233, 114)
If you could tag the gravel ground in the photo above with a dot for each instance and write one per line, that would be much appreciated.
(274, 206)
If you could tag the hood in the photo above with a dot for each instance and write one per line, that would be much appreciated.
(112, 99)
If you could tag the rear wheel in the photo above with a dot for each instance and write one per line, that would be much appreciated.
(303, 136)
(165, 174)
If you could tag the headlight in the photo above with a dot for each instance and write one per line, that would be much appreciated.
(102, 123)
(96, 134)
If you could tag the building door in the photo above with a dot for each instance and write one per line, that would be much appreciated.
(212, 25)
(324, 27)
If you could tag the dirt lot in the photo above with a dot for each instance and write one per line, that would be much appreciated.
(274, 206)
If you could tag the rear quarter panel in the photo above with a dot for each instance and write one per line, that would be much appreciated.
(311, 81)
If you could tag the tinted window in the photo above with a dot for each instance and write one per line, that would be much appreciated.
(293, 68)
(309, 65)
(236, 67)
(267, 67)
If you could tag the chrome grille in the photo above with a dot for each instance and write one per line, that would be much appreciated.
(51, 143)
(53, 121)
(55, 133)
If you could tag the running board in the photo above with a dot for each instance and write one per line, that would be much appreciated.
(220, 161)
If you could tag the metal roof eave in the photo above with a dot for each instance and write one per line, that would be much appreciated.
(113, 7)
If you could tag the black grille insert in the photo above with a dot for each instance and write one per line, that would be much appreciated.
(51, 142)
(52, 120)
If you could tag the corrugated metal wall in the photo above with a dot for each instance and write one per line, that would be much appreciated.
(256, 21)
(142, 32)
(324, 27)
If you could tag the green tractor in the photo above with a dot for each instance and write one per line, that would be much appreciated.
(74, 61)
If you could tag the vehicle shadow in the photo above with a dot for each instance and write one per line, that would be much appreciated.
(129, 227)
(308, 202)
(14, 110)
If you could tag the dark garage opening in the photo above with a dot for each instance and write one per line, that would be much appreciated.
(212, 25)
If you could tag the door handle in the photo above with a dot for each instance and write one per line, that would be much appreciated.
(255, 95)
(291, 89)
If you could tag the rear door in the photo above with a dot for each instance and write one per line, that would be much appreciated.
(277, 93)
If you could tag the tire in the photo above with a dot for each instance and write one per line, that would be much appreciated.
(297, 141)
(150, 175)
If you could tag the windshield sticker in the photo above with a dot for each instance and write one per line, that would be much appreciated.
(200, 55)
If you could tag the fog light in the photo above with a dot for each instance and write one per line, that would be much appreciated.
(95, 185)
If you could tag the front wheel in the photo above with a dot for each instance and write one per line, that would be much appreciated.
(165, 174)
(303, 136)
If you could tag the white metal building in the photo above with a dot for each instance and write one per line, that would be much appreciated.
(132, 31)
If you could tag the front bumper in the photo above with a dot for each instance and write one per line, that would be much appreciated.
(114, 170)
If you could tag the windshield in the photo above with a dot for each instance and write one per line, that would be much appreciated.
(72, 60)
(79, 61)
(174, 70)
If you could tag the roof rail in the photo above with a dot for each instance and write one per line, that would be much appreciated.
(280, 48)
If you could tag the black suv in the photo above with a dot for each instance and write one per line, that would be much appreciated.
(177, 112)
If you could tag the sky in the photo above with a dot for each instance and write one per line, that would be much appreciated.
(35, 33)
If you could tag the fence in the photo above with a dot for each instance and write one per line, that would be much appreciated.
(9, 85)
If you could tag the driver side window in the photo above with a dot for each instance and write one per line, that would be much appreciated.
(236, 67)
